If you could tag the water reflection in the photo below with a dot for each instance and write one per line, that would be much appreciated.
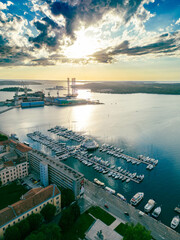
(82, 115)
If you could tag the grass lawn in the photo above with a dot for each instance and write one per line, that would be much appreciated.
(10, 194)
(79, 228)
(121, 228)
(99, 213)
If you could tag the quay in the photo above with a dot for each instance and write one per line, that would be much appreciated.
(95, 195)
(5, 110)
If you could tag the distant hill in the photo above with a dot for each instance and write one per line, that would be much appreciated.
(13, 82)
(133, 87)
(14, 89)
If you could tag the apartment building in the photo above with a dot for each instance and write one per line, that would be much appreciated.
(58, 173)
(31, 202)
(12, 170)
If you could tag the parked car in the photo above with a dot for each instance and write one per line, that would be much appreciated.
(126, 213)
(106, 206)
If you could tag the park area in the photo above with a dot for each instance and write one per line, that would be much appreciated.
(10, 194)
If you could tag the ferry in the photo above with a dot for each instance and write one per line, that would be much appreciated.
(175, 222)
(149, 206)
(137, 198)
(156, 212)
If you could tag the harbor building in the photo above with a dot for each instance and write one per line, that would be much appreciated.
(44, 174)
(31, 202)
(58, 173)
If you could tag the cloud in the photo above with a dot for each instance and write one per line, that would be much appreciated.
(164, 45)
(178, 21)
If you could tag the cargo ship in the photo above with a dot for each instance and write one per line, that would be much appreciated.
(32, 104)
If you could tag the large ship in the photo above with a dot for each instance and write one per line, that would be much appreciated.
(137, 198)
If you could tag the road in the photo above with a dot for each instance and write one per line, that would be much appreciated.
(95, 195)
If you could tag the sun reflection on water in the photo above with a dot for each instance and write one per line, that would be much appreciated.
(82, 115)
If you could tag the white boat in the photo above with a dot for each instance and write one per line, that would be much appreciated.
(137, 198)
(90, 144)
(156, 212)
(175, 222)
(149, 206)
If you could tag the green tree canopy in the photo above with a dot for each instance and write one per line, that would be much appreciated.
(24, 228)
(35, 221)
(46, 232)
(12, 233)
(67, 197)
(48, 212)
(69, 216)
(137, 232)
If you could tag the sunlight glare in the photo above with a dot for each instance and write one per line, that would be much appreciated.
(84, 45)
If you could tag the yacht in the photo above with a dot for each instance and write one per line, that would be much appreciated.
(149, 206)
(137, 198)
(156, 212)
(175, 222)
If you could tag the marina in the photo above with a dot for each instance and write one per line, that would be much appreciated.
(62, 152)
(147, 140)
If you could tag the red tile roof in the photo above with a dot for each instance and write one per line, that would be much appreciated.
(23, 148)
(30, 200)
(8, 164)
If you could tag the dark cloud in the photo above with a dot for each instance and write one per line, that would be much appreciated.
(91, 11)
(10, 56)
(46, 26)
(162, 46)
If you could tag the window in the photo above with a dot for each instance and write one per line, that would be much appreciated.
(28, 214)
(31, 212)
(23, 217)
(19, 220)
(9, 225)
(13, 222)
(4, 228)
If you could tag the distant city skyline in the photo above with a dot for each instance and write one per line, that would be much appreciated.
(118, 40)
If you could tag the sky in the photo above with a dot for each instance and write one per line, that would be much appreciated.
(136, 40)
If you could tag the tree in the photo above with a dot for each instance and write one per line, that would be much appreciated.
(75, 211)
(69, 216)
(35, 221)
(12, 233)
(0, 183)
(137, 232)
(36, 236)
(24, 228)
(46, 232)
(48, 212)
(67, 197)
(66, 220)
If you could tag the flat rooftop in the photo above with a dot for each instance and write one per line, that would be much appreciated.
(68, 171)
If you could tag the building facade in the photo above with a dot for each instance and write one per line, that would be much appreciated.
(44, 174)
(12, 170)
(58, 173)
(31, 202)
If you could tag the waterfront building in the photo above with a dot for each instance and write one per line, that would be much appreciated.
(31, 202)
(44, 174)
(20, 148)
(58, 173)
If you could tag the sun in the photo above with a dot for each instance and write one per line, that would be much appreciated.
(85, 44)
